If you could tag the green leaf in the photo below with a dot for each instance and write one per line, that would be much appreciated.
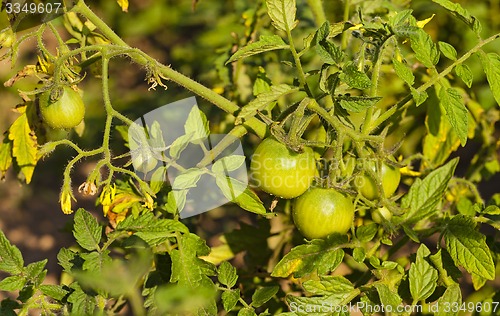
(337, 288)
(5, 156)
(358, 104)
(227, 274)
(458, 11)
(66, 259)
(403, 72)
(11, 260)
(424, 195)
(95, 261)
(247, 311)
(359, 254)
(355, 78)
(264, 294)
(448, 51)
(366, 232)
(179, 145)
(321, 255)
(12, 283)
(196, 124)
(82, 303)
(24, 147)
(452, 296)
(231, 188)
(230, 298)
(264, 44)
(187, 269)
(282, 14)
(329, 52)
(468, 247)
(263, 100)
(158, 179)
(419, 96)
(491, 210)
(464, 72)
(387, 296)
(187, 179)
(87, 230)
(228, 164)
(425, 49)
(151, 229)
(423, 277)
(491, 66)
(55, 291)
(180, 300)
(35, 272)
(456, 112)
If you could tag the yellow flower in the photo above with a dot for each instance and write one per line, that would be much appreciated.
(65, 200)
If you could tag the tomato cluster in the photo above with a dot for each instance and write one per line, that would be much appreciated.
(317, 212)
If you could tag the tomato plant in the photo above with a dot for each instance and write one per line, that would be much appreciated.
(315, 97)
(67, 111)
(320, 212)
(278, 170)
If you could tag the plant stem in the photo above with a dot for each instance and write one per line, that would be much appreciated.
(318, 11)
(401, 104)
(144, 60)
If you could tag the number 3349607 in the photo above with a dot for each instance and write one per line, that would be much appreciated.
(33, 8)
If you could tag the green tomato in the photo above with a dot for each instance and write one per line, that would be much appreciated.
(279, 171)
(144, 161)
(66, 112)
(381, 214)
(320, 212)
(390, 182)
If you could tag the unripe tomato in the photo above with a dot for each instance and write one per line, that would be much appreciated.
(381, 214)
(280, 171)
(320, 212)
(65, 112)
(144, 161)
(390, 182)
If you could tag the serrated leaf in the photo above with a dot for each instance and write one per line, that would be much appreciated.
(12, 283)
(179, 145)
(66, 259)
(448, 51)
(468, 247)
(187, 179)
(491, 66)
(151, 229)
(263, 100)
(458, 11)
(35, 272)
(463, 71)
(87, 230)
(387, 296)
(321, 255)
(456, 112)
(247, 311)
(263, 294)
(336, 287)
(425, 49)
(55, 291)
(354, 78)
(230, 298)
(228, 164)
(358, 104)
(282, 14)
(196, 124)
(422, 276)
(366, 232)
(95, 261)
(403, 72)
(424, 195)
(419, 96)
(82, 303)
(227, 274)
(123, 4)
(329, 52)
(264, 44)
(24, 146)
(187, 269)
(11, 260)
(452, 295)
(5, 156)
